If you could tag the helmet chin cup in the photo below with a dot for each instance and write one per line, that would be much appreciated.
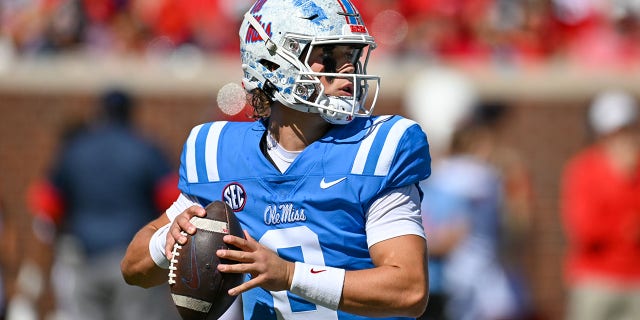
(339, 110)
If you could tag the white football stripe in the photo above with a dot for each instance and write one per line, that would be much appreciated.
(361, 157)
(191, 303)
(210, 225)
(190, 155)
(390, 146)
(211, 150)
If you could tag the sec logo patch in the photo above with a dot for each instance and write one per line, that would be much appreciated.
(234, 195)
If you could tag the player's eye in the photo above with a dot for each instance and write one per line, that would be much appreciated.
(335, 56)
(352, 54)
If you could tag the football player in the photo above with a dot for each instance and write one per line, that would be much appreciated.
(327, 192)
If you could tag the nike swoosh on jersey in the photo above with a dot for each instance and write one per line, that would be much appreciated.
(325, 185)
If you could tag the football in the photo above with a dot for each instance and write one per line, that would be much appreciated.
(198, 289)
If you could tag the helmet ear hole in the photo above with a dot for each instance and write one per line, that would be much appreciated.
(305, 91)
(293, 46)
(270, 65)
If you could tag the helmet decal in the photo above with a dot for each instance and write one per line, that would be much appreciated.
(351, 14)
(257, 6)
(253, 35)
(311, 11)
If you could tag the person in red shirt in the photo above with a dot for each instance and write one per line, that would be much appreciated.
(600, 206)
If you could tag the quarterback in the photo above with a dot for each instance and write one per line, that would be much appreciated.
(326, 192)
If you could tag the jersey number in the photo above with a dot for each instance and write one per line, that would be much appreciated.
(309, 244)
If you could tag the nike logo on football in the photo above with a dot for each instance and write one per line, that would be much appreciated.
(314, 271)
(325, 185)
(194, 282)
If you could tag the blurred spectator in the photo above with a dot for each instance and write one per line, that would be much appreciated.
(600, 205)
(599, 34)
(517, 201)
(43, 26)
(444, 223)
(106, 182)
(462, 208)
(520, 33)
(121, 27)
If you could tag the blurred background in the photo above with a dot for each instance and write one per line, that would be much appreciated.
(543, 60)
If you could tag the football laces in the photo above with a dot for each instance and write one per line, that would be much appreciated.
(174, 254)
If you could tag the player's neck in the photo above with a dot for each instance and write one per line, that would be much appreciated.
(295, 130)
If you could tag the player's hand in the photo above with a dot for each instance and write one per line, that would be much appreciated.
(266, 268)
(182, 223)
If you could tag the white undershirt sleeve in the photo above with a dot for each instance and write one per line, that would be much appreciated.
(182, 203)
(159, 238)
(395, 213)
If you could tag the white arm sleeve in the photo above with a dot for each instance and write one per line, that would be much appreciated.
(182, 203)
(394, 214)
(159, 238)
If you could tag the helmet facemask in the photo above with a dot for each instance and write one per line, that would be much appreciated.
(344, 62)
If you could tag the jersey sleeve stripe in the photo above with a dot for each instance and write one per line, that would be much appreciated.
(391, 145)
(201, 152)
(365, 146)
(211, 150)
(190, 155)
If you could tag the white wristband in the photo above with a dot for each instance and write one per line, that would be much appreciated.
(320, 285)
(156, 247)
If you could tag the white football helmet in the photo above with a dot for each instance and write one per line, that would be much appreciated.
(274, 36)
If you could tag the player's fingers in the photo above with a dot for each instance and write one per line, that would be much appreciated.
(247, 244)
(184, 219)
(242, 244)
(235, 255)
(196, 210)
(245, 286)
(182, 223)
(176, 233)
(168, 247)
(250, 240)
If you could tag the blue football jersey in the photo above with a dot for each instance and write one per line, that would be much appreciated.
(315, 211)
